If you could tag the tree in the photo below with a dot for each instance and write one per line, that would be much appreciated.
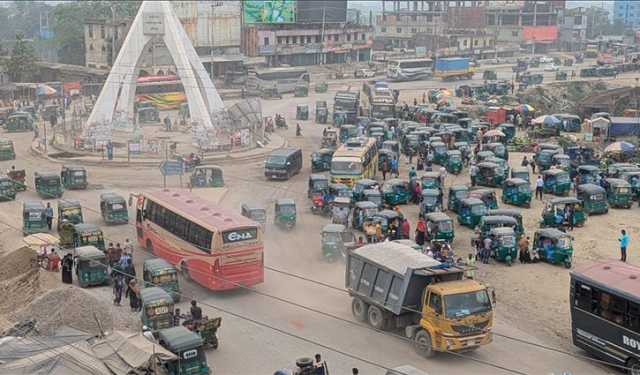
(22, 62)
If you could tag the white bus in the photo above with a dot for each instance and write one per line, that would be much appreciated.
(409, 69)
(284, 79)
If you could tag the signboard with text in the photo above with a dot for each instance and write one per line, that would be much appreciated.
(152, 23)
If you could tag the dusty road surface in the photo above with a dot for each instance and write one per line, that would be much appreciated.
(286, 317)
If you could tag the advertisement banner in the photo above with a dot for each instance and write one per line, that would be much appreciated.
(269, 11)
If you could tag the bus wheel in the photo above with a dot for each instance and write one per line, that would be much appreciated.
(185, 271)
(634, 367)
(150, 247)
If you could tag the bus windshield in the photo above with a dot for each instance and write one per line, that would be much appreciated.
(346, 167)
(464, 304)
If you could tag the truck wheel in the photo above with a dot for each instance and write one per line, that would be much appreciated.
(377, 318)
(359, 309)
(422, 343)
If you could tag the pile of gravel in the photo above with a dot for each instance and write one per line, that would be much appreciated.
(75, 307)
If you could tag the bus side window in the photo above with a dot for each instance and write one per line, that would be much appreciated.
(632, 317)
(583, 297)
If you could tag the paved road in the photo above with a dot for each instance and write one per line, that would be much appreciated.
(249, 348)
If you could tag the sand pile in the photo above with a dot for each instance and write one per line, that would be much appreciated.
(19, 279)
(561, 97)
(78, 308)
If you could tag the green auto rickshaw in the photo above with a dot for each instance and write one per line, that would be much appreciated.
(439, 153)
(489, 222)
(88, 235)
(337, 241)
(594, 198)
(456, 194)
(385, 218)
(321, 87)
(209, 176)
(385, 156)
(34, 218)
(615, 169)
(484, 155)
(19, 122)
(113, 208)
(544, 158)
(510, 212)
(301, 90)
(361, 185)
(322, 112)
(7, 189)
(509, 131)
(302, 112)
(188, 347)
(431, 180)
(498, 149)
(374, 196)
(48, 185)
(618, 193)
(488, 196)
(463, 147)
(361, 211)
(517, 192)
(7, 151)
(395, 191)
(340, 190)
(431, 201)
(439, 226)
(74, 177)
(454, 161)
(553, 246)
(254, 212)
(160, 273)
(317, 184)
(561, 161)
(285, 213)
(321, 160)
(504, 165)
(70, 211)
(588, 174)
(489, 174)
(553, 212)
(157, 308)
(471, 210)
(330, 139)
(633, 178)
(340, 210)
(148, 115)
(91, 266)
(520, 172)
(503, 244)
(556, 182)
(347, 131)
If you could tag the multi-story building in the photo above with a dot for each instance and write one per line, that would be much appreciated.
(212, 26)
(401, 21)
(530, 22)
(627, 11)
(308, 40)
(573, 29)
(597, 20)
(102, 40)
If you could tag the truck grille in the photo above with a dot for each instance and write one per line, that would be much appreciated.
(470, 329)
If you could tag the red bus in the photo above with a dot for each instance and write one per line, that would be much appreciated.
(213, 246)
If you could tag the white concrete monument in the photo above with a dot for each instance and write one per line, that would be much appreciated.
(155, 21)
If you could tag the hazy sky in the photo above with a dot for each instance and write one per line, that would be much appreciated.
(377, 4)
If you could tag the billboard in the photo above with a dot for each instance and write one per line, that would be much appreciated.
(269, 11)
(540, 33)
(317, 10)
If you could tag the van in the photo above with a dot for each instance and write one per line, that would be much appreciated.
(283, 163)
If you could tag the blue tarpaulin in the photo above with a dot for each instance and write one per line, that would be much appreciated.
(624, 126)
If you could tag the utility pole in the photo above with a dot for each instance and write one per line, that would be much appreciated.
(114, 30)
(211, 25)
(322, 58)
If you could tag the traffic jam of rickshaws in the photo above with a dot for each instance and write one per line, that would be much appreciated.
(412, 185)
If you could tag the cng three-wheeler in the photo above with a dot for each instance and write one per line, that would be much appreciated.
(553, 246)
(517, 192)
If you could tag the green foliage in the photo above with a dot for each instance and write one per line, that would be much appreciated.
(21, 64)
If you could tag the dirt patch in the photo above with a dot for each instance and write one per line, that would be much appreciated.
(78, 308)
(19, 279)
(16, 263)
(562, 97)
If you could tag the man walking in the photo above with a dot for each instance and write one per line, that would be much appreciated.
(49, 214)
(624, 242)
(539, 185)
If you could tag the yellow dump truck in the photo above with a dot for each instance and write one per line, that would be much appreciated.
(394, 287)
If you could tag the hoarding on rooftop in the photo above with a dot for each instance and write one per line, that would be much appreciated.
(269, 11)
(317, 10)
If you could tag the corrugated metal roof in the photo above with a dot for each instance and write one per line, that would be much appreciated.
(396, 257)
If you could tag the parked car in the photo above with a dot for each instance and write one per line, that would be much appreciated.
(364, 73)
